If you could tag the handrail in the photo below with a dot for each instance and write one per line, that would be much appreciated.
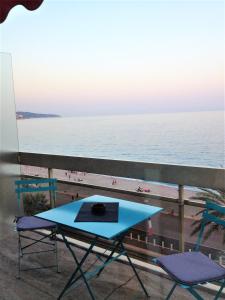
(213, 178)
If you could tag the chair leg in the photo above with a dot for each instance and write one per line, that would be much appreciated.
(220, 291)
(19, 256)
(171, 291)
(56, 254)
(194, 294)
(21, 251)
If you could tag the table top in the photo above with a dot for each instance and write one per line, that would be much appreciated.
(130, 214)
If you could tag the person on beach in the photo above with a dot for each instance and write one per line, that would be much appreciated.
(139, 189)
(113, 182)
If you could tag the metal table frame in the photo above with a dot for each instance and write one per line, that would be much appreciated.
(117, 247)
(130, 214)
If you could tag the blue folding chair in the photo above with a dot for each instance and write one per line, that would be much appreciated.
(189, 269)
(30, 223)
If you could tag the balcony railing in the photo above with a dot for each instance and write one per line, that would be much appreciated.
(180, 176)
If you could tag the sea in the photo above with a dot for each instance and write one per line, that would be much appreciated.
(193, 138)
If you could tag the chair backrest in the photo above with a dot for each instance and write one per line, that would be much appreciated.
(36, 185)
(213, 213)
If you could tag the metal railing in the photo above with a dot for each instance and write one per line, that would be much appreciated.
(181, 176)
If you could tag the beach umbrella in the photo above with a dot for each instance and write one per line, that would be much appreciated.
(7, 5)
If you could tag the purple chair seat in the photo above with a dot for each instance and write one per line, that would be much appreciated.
(191, 268)
(32, 223)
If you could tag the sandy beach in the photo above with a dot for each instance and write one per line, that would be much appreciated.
(118, 183)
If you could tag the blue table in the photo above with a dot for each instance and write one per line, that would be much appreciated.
(130, 214)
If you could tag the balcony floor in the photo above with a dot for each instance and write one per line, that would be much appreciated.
(116, 281)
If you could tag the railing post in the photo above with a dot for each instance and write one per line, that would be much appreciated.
(181, 217)
(51, 196)
(19, 158)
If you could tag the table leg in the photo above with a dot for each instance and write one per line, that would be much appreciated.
(135, 272)
(117, 244)
(71, 281)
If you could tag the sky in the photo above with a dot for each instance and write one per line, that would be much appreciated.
(117, 57)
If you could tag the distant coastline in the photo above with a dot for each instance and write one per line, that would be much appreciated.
(20, 115)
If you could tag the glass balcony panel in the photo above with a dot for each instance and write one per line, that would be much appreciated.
(9, 169)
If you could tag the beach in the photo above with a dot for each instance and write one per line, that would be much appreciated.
(117, 183)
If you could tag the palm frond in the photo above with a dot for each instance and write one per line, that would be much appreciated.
(196, 230)
(211, 229)
(217, 196)
(211, 192)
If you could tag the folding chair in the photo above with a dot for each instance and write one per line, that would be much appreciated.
(26, 224)
(189, 269)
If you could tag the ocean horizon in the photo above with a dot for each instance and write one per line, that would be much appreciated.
(190, 138)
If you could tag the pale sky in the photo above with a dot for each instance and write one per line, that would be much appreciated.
(117, 57)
